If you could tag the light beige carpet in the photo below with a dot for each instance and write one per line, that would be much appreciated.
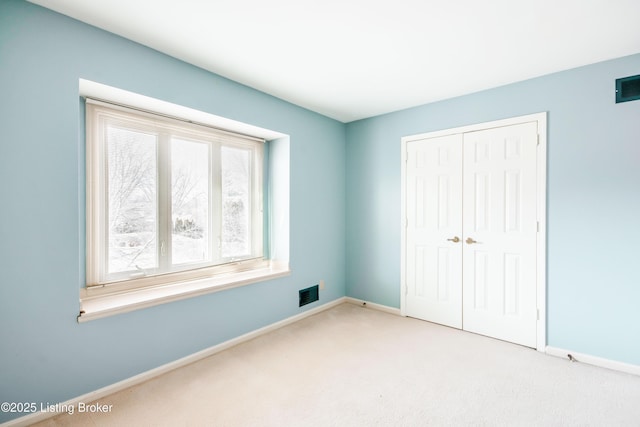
(353, 366)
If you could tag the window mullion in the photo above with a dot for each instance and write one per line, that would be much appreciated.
(164, 202)
(257, 202)
(216, 202)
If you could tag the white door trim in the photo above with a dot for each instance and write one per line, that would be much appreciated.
(541, 239)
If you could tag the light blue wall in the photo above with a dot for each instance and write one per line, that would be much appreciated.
(44, 354)
(593, 200)
(593, 203)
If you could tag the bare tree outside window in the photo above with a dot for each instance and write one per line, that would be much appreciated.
(189, 201)
(132, 187)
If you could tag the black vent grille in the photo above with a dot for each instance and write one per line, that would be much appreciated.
(307, 296)
(628, 89)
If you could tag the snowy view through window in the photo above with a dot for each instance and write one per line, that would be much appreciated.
(235, 202)
(132, 200)
(136, 213)
(189, 201)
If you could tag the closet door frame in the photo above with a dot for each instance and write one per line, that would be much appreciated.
(541, 198)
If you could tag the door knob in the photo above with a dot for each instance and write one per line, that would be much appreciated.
(470, 241)
(455, 239)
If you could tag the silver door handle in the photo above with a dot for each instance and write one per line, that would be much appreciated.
(455, 239)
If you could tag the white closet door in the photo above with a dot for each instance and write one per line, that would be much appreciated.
(434, 230)
(499, 222)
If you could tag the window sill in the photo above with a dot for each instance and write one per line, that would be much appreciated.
(93, 306)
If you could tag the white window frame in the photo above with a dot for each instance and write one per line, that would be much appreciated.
(99, 116)
(111, 298)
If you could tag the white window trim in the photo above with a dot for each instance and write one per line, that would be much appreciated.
(101, 301)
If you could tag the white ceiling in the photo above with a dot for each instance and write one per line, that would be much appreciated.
(351, 59)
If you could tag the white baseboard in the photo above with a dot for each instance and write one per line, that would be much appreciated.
(30, 419)
(145, 376)
(373, 305)
(594, 360)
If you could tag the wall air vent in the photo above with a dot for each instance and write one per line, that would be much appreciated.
(628, 89)
(309, 295)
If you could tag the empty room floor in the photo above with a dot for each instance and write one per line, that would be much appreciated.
(354, 366)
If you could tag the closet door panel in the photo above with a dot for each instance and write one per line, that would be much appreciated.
(499, 223)
(434, 222)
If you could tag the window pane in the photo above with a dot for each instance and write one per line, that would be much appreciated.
(235, 202)
(190, 201)
(132, 200)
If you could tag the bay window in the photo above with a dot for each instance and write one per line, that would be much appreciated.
(169, 200)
